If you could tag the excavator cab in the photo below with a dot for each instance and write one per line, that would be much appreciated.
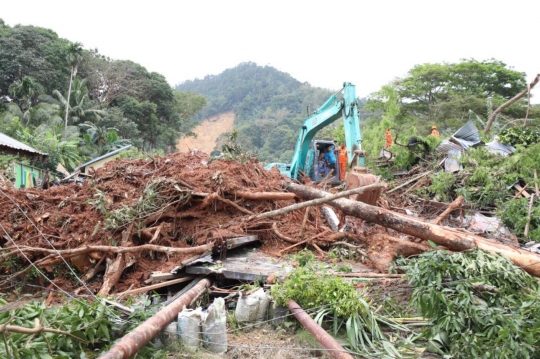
(316, 165)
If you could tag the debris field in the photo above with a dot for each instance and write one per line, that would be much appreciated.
(135, 217)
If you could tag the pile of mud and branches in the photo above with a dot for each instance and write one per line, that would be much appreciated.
(134, 217)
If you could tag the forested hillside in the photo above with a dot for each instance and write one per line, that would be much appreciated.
(270, 106)
(75, 104)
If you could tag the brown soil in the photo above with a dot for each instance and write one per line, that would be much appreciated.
(193, 203)
(207, 133)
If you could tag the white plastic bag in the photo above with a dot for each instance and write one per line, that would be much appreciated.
(214, 327)
(189, 327)
(253, 308)
(247, 309)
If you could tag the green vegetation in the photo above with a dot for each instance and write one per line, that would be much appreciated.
(270, 107)
(91, 328)
(338, 303)
(479, 305)
(75, 104)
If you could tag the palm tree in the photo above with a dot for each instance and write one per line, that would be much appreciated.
(25, 92)
(73, 56)
(104, 139)
(42, 113)
(80, 108)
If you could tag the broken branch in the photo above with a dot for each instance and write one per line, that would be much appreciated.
(270, 196)
(509, 102)
(315, 202)
(112, 249)
(453, 206)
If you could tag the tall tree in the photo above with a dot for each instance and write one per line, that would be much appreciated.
(444, 93)
(74, 54)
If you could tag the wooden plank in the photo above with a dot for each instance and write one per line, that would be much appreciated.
(249, 265)
(156, 286)
(241, 241)
(160, 276)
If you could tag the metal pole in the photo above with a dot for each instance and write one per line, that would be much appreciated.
(140, 336)
(320, 334)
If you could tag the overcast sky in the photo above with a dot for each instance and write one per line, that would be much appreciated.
(325, 43)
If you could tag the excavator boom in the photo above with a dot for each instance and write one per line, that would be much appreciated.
(342, 105)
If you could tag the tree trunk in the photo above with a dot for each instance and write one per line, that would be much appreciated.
(444, 236)
(73, 69)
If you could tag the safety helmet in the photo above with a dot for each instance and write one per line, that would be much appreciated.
(433, 127)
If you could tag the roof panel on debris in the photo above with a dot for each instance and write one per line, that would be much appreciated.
(500, 148)
(109, 154)
(467, 136)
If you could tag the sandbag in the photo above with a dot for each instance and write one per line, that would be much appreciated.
(214, 327)
(253, 308)
(189, 327)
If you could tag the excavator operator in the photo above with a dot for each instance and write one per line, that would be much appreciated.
(330, 158)
(342, 160)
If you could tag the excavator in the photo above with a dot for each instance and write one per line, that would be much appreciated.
(342, 105)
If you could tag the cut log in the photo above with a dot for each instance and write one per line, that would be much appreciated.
(326, 340)
(114, 270)
(448, 237)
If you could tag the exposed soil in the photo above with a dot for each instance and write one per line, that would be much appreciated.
(207, 133)
(182, 200)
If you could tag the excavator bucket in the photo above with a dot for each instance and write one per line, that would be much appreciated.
(356, 179)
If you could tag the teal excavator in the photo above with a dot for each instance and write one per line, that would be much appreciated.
(342, 105)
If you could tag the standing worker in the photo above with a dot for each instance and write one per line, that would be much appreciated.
(388, 138)
(434, 131)
(342, 160)
(330, 158)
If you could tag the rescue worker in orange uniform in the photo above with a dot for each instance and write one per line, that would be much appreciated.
(342, 160)
(434, 131)
(388, 139)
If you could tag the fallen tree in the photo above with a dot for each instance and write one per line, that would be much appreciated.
(444, 236)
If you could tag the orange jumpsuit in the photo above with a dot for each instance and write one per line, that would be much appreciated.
(342, 160)
(434, 132)
(388, 139)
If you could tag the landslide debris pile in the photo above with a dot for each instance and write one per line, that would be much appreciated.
(145, 215)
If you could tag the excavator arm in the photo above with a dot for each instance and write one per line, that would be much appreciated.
(342, 105)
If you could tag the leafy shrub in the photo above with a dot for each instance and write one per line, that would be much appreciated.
(479, 305)
(338, 300)
(95, 326)
(524, 136)
(442, 184)
(514, 216)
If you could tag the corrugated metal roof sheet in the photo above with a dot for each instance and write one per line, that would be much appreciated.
(500, 148)
(467, 136)
(109, 154)
(12, 143)
(447, 146)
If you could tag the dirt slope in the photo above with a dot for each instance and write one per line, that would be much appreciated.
(207, 133)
